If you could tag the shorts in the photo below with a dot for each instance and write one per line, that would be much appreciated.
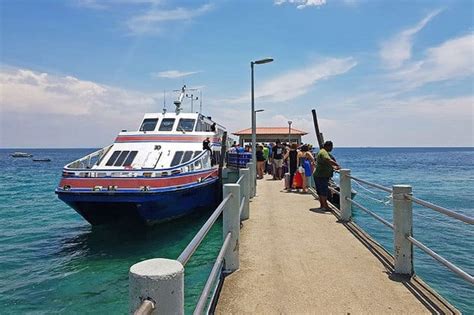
(278, 163)
(322, 185)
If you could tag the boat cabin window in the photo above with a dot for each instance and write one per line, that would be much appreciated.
(130, 158)
(199, 125)
(196, 153)
(203, 126)
(167, 124)
(187, 156)
(186, 124)
(121, 158)
(112, 158)
(177, 158)
(149, 124)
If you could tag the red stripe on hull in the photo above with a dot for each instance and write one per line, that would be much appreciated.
(136, 182)
(164, 138)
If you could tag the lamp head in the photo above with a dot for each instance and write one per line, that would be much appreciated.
(262, 61)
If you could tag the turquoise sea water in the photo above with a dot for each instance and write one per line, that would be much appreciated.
(52, 261)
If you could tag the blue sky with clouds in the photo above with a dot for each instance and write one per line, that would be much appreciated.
(380, 73)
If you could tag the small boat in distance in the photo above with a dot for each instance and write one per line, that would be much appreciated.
(165, 169)
(21, 155)
(42, 160)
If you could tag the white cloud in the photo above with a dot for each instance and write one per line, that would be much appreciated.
(44, 110)
(453, 59)
(34, 92)
(352, 3)
(104, 4)
(395, 51)
(298, 82)
(301, 4)
(173, 74)
(65, 111)
(152, 21)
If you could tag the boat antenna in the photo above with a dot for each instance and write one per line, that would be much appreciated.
(178, 102)
(200, 101)
(192, 97)
(164, 102)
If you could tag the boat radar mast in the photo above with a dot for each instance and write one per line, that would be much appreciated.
(178, 102)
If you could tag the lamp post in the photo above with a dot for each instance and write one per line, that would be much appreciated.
(289, 131)
(254, 127)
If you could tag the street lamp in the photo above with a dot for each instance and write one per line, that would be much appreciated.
(254, 127)
(289, 131)
(257, 111)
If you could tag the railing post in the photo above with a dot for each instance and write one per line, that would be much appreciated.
(402, 227)
(345, 192)
(244, 192)
(231, 223)
(161, 280)
(253, 175)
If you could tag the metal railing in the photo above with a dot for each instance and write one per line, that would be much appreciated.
(233, 207)
(216, 269)
(442, 210)
(402, 222)
(201, 234)
(84, 167)
(89, 160)
(373, 214)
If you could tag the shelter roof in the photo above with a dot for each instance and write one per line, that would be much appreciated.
(270, 131)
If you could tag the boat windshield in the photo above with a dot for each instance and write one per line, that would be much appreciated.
(186, 124)
(149, 124)
(167, 124)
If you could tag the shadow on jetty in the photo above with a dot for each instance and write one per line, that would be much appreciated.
(434, 303)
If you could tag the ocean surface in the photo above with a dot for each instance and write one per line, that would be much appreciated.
(52, 261)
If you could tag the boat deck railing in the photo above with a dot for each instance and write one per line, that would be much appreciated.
(88, 161)
(84, 167)
(148, 275)
(402, 224)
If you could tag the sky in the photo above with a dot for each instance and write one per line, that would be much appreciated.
(73, 73)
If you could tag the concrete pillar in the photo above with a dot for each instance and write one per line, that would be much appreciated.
(161, 280)
(402, 227)
(231, 223)
(253, 177)
(345, 186)
(244, 192)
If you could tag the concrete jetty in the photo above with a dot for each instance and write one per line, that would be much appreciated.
(297, 259)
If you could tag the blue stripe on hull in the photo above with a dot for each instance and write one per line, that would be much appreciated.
(148, 207)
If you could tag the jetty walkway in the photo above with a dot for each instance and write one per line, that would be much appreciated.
(295, 258)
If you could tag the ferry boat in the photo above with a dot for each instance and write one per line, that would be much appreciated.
(166, 169)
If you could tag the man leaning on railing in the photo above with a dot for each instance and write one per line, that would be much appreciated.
(323, 172)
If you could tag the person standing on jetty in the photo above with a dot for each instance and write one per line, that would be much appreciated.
(277, 160)
(260, 161)
(266, 153)
(307, 162)
(324, 170)
(292, 156)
